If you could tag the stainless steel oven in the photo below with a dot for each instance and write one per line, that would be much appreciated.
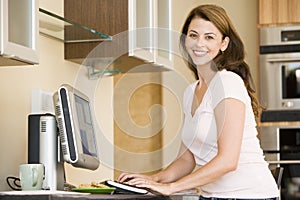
(280, 67)
(281, 145)
(280, 95)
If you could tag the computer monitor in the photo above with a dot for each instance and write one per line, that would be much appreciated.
(76, 128)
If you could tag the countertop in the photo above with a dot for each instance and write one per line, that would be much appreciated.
(47, 195)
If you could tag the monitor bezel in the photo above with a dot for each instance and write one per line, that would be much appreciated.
(68, 125)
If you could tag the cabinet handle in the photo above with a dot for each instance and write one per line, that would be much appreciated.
(282, 60)
(283, 161)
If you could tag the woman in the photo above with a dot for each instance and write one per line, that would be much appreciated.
(219, 131)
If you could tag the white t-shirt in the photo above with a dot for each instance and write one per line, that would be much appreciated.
(252, 178)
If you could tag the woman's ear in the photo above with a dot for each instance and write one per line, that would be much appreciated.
(225, 43)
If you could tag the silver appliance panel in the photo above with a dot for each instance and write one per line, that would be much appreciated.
(272, 85)
(279, 49)
(273, 35)
(271, 144)
(269, 138)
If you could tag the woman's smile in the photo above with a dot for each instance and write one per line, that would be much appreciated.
(200, 53)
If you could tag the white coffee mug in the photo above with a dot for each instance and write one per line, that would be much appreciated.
(31, 176)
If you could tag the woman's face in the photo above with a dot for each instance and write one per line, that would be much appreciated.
(204, 41)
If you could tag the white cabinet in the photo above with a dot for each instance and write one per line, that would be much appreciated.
(140, 28)
(19, 30)
(164, 34)
(150, 31)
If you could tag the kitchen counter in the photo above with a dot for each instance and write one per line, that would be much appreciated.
(47, 195)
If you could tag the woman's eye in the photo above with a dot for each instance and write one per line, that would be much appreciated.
(193, 36)
(208, 37)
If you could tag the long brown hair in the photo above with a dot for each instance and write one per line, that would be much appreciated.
(232, 59)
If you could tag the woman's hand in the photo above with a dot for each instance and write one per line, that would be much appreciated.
(161, 188)
(126, 177)
(144, 181)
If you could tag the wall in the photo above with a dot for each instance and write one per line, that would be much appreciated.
(17, 83)
(138, 121)
(53, 70)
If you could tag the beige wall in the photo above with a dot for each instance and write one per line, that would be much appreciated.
(53, 70)
(17, 83)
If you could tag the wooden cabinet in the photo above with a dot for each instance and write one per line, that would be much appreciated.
(138, 123)
(131, 23)
(18, 32)
(106, 16)
(279, 12)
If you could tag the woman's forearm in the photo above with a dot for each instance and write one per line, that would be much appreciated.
(182, 166)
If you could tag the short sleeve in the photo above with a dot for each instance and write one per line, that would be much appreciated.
(228, 85)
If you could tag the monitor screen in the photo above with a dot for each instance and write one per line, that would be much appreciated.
(76, 128)
(88, 140)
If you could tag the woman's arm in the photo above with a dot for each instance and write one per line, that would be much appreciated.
(183, 165)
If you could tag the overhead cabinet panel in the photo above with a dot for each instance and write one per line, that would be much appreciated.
(19, 32)
(133, 26)
(279, 12)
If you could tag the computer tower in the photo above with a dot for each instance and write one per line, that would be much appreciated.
(44, 147)
(34, 138)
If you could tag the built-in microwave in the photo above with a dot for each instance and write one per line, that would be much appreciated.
(280, 72)
(280, 67)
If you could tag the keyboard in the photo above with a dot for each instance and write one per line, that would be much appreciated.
(125, 188)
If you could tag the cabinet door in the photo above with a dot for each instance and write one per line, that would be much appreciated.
(141, 34)
(19, 24)
(272, 11)
(163, 34)
(293, 8)
(279, 11)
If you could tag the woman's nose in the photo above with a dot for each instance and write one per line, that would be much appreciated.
(200, 41)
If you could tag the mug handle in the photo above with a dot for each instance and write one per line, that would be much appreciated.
(34, 177)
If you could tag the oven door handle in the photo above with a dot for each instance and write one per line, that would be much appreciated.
(283, 161)
(283, 60)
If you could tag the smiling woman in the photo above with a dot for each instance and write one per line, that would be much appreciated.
(219, 131)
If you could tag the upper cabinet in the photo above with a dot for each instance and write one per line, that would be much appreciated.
(279, 12)
(150, 31)
(18, 32)
(165, 37)
(141, 24)
(139, 33)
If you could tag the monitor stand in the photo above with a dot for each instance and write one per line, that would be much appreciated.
(50, 154)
